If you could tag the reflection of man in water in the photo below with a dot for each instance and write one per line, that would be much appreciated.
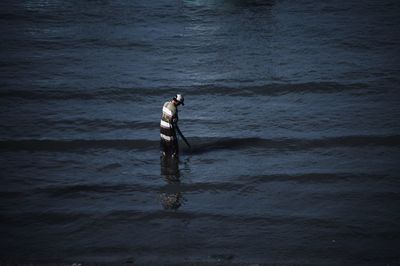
(172, 197)
(169, 127)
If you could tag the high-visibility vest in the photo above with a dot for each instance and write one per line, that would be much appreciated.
(169, 115)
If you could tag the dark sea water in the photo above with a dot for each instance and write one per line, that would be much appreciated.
(291, 107)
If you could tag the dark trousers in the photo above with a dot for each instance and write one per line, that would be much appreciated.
(169, 148)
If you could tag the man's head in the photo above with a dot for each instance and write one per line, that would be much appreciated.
(178, 99)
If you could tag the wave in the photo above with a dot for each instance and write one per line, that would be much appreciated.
(26, 218)
(81, 144)
(105, 217)
(201, 145)
(78, 190)
(237, 185)
(62, 43)
(129, 93)
(126, 215)
(313, 178)
(84, 124)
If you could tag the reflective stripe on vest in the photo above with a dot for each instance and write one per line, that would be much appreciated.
(167, 131)
(167, 111)
(165, 124)
(168, 138)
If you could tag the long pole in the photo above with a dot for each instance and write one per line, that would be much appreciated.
(183, 137)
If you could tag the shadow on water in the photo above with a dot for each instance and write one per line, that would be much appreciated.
(200, 146)
(172, 197)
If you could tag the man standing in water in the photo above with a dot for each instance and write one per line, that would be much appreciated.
(169, 127)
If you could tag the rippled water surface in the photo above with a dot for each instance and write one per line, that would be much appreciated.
(291, 108)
